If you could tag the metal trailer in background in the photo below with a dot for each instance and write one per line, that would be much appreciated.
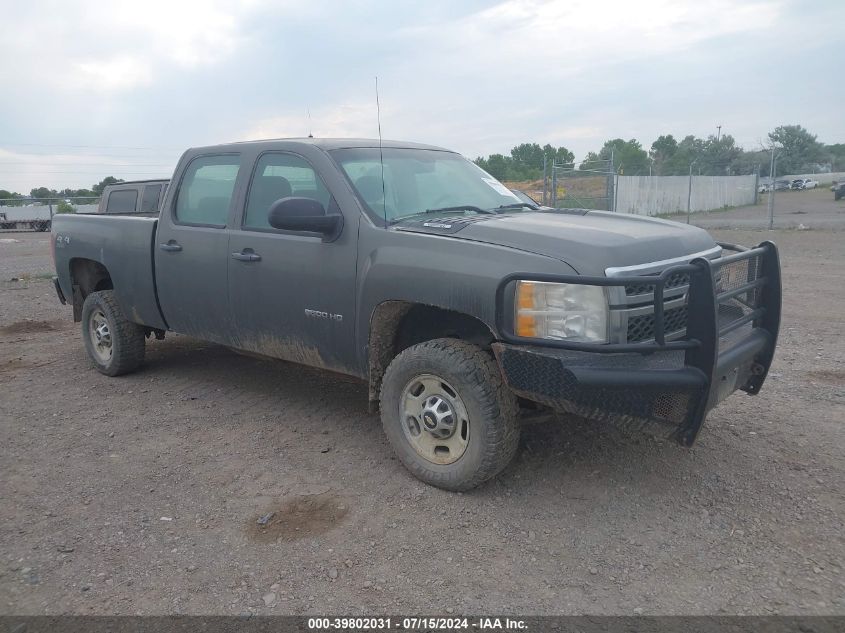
(26, 218)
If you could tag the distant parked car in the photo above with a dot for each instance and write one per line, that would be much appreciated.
(796, 184)
(838, 189)
(764, 188)
(809, 183)
(781, 185)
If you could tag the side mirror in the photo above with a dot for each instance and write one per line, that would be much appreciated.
(304, 214)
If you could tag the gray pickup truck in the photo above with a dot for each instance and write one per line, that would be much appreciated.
(462, 307)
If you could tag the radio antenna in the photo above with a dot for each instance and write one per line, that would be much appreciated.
(381, 158)
(310, 133)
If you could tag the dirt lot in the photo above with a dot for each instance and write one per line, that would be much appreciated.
(811, 209)
(141, 494)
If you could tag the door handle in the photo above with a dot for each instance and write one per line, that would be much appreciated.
(246, 256)
(170, 247)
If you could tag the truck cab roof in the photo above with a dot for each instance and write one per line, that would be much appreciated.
(326, 144)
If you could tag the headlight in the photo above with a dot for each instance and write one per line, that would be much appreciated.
(571, 312)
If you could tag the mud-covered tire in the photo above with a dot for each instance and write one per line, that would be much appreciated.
(492, 410)
(126, 338)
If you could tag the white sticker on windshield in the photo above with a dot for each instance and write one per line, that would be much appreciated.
(500, 188)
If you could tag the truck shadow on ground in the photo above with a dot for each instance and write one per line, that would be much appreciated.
(567, 451)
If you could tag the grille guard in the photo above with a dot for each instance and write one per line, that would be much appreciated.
(755, 300)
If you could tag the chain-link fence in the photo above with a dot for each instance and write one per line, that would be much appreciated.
(36, 214)
(588, 185)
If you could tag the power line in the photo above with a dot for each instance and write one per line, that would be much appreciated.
(89, 146)
(93, 174)
(75, 164)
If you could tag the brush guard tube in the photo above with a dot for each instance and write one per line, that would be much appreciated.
(665, 387)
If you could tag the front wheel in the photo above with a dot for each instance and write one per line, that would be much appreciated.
(448, 415)
(114, 343)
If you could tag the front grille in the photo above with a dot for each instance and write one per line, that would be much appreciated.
(641, 327)
(738, 273)
(640, 323)
(675, 280)
(731, 277)
(632, 304)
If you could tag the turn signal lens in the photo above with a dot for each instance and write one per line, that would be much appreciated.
(525, 295)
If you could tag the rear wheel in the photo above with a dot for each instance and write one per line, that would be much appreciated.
(448, 415)
(114, 344)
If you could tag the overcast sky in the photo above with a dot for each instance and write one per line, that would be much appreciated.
(123, 87)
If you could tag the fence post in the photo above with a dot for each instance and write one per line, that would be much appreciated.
(772, 193)
(615, 192)
(554, 185)
(544, 179)
(689, 192)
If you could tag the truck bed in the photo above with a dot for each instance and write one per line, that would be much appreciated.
(123, 244)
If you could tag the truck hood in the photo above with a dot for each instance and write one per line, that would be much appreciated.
(590, 241)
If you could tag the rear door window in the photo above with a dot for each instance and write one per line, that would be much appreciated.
(122, 201)
(150, 198)
(206, 191)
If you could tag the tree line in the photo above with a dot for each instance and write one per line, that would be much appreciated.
(16, 199)
(796, 149)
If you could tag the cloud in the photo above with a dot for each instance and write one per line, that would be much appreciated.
(189, 33)
(340, 120)
(122, 45)
(581, 35)
(477, 76)
(119, 73)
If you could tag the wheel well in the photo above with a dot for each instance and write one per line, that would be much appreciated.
(397, 325)
(87, 276)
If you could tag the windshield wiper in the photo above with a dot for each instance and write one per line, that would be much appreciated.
(519, 205)
(460, 207)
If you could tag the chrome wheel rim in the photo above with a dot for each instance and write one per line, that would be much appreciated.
(100, 334)
(434, 419)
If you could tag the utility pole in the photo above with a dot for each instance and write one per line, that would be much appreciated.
(554, 185)
(719, 133)
(772, 192)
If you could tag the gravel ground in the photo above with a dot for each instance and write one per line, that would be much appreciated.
(24, 254)
(811, 209)
(141, 494)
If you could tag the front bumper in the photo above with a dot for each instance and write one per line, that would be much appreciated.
(663, 387)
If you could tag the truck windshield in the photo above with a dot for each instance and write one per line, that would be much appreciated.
(418, 181)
